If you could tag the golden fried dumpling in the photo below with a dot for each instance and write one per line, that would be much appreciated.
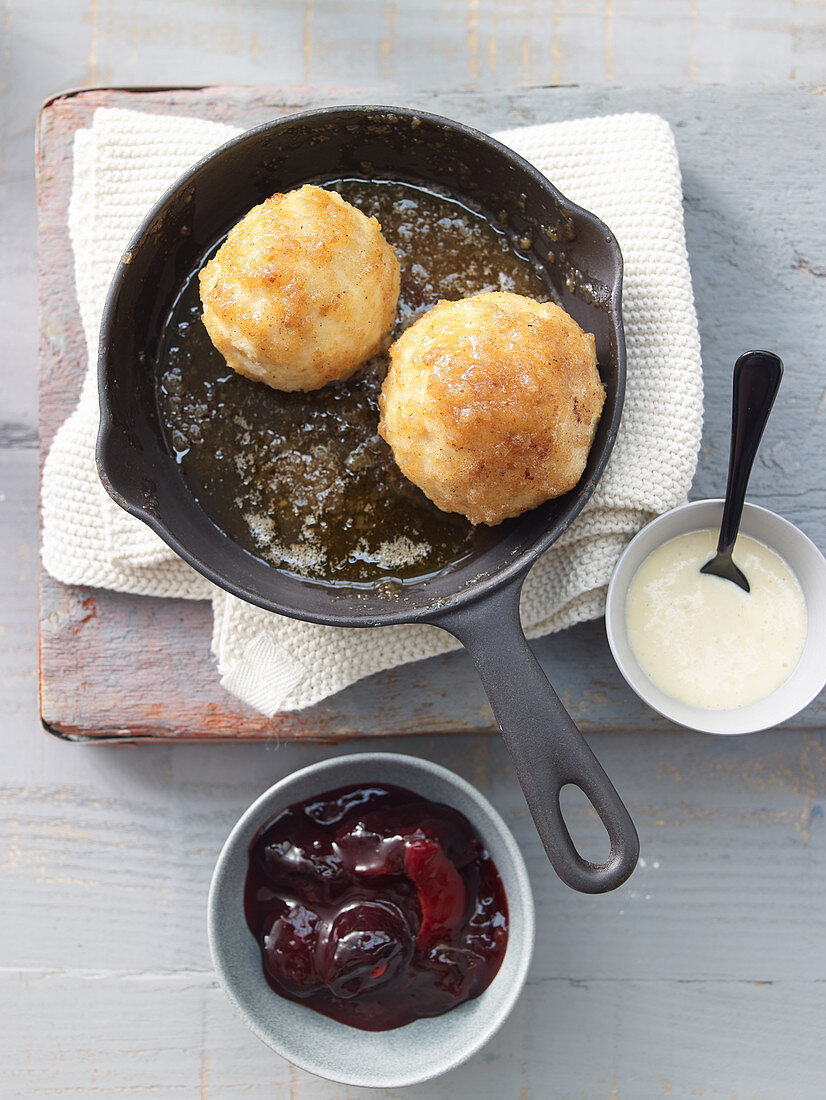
(491, 404)
(302, 292)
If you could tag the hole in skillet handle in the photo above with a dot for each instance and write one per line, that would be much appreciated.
(546, 747)
(587, 831)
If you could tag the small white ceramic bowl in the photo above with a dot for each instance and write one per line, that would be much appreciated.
(372, 1059)
(806, 562)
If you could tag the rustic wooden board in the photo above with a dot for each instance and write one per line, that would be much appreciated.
(118, 667)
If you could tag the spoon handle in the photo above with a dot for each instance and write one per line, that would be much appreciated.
(757, 377)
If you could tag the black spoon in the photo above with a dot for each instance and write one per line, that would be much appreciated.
(757, 377)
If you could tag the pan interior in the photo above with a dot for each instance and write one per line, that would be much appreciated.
(303, 480)
(575, 256)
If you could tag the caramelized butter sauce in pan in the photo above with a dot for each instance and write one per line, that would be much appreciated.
(303, 480)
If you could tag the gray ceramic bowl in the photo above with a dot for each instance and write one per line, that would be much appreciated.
(806, 562)
(383, 1059)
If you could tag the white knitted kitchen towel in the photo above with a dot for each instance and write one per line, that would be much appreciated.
(624, 168)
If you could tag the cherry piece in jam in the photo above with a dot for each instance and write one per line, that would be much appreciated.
(374, 906)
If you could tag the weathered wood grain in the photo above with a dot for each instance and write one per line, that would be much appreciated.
(705, 974)
(114, 1043)
(733, 840)
(19, 570)
(757, 264)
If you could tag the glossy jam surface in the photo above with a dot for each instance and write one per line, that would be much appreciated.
(375, 906)
(704, 640)
(303, 480)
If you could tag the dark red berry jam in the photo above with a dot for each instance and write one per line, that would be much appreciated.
(375, 906)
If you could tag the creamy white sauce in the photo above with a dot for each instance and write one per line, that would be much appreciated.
(704, 640)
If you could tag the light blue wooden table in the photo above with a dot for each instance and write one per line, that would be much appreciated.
(706, 974)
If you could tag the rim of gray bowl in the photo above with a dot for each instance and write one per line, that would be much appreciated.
(313, 1042)
(806, 680)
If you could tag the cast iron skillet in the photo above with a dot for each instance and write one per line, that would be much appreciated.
(477, 601)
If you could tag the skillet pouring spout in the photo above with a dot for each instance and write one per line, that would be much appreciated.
(544, 743)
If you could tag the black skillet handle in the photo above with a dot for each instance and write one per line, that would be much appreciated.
(547, 749)
(757, 377)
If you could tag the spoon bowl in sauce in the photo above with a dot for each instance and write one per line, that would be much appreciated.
(783, 700)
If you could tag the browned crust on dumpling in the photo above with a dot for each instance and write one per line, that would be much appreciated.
(302, 292)
(491, 404)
